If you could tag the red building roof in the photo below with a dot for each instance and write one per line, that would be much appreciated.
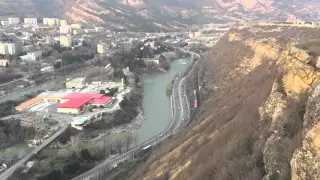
(82, 95)
(75, 103)
(102, 100)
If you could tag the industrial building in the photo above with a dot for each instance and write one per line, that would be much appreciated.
(77, 83)
(76, 103)
(70, 103)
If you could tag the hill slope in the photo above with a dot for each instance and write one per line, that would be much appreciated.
(162, 14)
(254, 112)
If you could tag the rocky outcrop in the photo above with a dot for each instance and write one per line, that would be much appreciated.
(306, 159)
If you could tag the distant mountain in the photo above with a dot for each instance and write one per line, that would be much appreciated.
(163, 14)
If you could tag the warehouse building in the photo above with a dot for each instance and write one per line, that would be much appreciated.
(76, 103)
(70, 103)
(75, 106)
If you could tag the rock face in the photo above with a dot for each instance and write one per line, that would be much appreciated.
(306, 159)
(254, 122)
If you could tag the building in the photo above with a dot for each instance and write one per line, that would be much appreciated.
(74, 106)
(77, 83)
(47, 69)
(32, 56)
(65, 29)
(4, 62)
(30, 21)
(89, 30)
(63, 22)
(4, 23)
(101, 48)
(7, 48)
(30, 120)
(99, 29)
(76, 26)
(51, 21)
(66, 40)
(13, 20)
(76, 103)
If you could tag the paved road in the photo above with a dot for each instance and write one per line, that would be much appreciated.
(64, 125)
(181, 115)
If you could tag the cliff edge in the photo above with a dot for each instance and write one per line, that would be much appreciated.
(259, 111)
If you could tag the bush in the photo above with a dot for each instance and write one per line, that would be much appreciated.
(71, 168)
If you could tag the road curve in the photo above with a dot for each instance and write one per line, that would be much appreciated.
(181, 114)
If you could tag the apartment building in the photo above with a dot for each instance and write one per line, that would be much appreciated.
(101, 48)
(7, 48)
(66, 40)
(51, 21)
(76, 26)
(65, 29)
(30, 21)
(4, 23)
(13, 20)
(63, 22)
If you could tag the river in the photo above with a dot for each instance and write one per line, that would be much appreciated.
(156, 103)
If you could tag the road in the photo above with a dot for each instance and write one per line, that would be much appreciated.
(180, 116)
(64, 125)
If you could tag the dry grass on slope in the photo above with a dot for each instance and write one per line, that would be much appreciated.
(223, 139)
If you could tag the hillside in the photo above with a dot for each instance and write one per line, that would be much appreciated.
(150, 15)
(259, 112)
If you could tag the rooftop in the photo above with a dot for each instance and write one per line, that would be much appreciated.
(75, 103)
(102, 100)
(82, 95)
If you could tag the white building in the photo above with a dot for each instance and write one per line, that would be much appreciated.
(51, 21)
(66, 41)
(4, 23)
(65, 29)
(7, 48)
(99, 29)
(101, 47)
(33, 56)
(30, 21)
(47, 69)
(13, 20)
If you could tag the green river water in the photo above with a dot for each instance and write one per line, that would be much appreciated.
(156, 103)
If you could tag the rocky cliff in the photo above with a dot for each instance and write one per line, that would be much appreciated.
(258, 111)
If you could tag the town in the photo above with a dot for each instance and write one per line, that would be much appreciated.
(59, 79)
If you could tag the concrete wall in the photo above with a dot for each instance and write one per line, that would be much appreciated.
(68, 110)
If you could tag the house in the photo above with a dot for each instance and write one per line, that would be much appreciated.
(7, 48)
(4, 62)
(47, 69)
(76, 83)
(32, 56)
